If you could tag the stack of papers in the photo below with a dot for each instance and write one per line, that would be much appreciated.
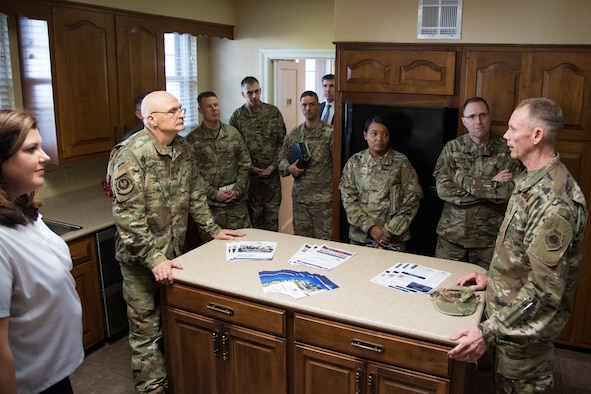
(295, 284)
(411, 278)
(323, 257)
(249, 250)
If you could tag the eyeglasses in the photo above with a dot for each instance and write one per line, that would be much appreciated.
(472, 118)
(172, 112)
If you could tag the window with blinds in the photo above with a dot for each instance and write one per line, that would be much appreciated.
(180, 54)
(6, 83)
(440, 19)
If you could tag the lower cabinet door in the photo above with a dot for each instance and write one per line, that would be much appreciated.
(320, 371)
(255, 362)
(193, 353)
(207, 356)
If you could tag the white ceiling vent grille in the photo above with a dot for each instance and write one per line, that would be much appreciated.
(440, 19)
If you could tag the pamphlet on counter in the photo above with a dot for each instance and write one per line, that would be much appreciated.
(411, 278)
(249, 250)
(297, 284)
(323, 257)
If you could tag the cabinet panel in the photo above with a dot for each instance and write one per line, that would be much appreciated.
(228, 309)
(425, 72)
(566, 78)
(87, 106)
(140, 58)
(256, 358)
(322, 371)
(501, 78)
(86, 276)
(384, 379)
(373, 345)
(193, 362)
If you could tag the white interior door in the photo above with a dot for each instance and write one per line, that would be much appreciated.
(290, 82)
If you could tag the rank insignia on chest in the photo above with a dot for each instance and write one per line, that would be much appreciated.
(124, 185)
(553, 240)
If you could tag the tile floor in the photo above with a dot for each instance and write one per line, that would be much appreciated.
(106, 371)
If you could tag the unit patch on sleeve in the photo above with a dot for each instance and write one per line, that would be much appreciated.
(551, 240)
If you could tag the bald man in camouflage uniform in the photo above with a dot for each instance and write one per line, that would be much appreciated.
(474, 179)
(312, 185)
(380, 191)
(533, 275)
(263, 129)
(223, 160)
(156, 186)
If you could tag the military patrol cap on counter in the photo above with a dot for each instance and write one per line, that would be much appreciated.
(455, 300)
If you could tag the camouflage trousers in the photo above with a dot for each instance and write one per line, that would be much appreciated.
(232, 216)
(264, 199)
(148, 363)
(451, 251)
(524, 370)
(313, 219)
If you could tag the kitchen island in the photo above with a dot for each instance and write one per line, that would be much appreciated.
(224, 334)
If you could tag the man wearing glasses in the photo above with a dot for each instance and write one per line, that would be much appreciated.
(156, 186)
(473, 175)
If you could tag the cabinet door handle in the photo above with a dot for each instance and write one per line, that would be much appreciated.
(215, 335)
(370, 383)
(367, 346)
(225, 347)
(220, 308)
(358, 374)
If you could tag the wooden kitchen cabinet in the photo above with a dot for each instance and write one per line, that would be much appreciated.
(85, 274)
(335, 357)
(219, 344)
(101, 62)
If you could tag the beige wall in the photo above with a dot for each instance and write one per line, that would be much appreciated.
(266, 24)
(484, 21)
(216, 11)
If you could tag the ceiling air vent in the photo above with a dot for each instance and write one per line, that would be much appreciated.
(440, 19)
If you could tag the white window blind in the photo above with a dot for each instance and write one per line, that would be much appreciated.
(36, 74)
(6, 83)
(180, 51)
(440, 19)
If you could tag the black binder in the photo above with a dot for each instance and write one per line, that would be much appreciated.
(299, 152)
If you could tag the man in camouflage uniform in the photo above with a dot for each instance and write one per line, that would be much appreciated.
(474, 179)
(380, 191)
(224, 163)
(155, 184)
(262, 127)
(312, 186)
(533, 275)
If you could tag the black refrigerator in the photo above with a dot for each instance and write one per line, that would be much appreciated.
(418, 132)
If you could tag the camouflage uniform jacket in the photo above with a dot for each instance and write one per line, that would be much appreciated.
(315, 184)
(223, 160)
(263, 132)
(474, 204)
(537, 259)
(155, 187)
(383, 192)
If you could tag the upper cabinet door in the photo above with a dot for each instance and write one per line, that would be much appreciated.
(501, 78)
(140, 58)
(565, 77)
(86, 85)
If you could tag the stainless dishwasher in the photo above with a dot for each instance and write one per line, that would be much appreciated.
(110, 281)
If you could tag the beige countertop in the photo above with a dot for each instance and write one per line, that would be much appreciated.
(89, 208)
(357, 300)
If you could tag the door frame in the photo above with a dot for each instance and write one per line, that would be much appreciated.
(267, 67)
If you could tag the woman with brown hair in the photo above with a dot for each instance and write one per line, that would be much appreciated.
(40, 312)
